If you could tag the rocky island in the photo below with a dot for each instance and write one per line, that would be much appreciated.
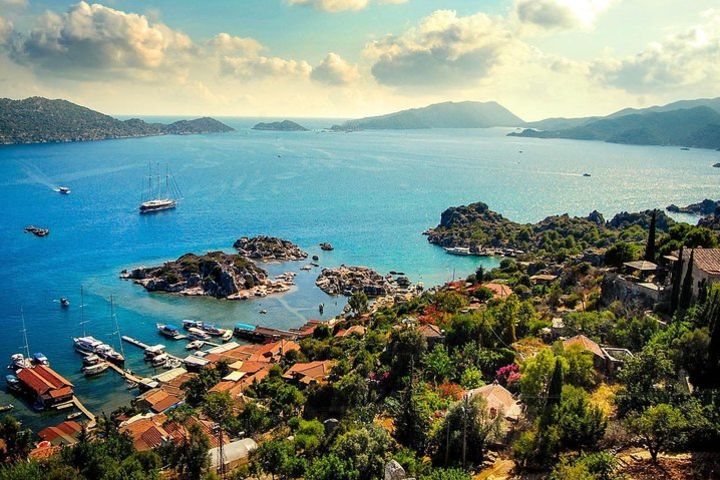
(41, 120)
(347, 280)
(284, 126)
(482, 231)
(214, 274)
(269, 249)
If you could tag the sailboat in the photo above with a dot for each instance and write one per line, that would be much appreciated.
(19, 361)
(159, 195)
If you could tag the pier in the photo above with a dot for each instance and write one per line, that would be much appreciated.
(139, 344)
(90, 416)
(124, 373)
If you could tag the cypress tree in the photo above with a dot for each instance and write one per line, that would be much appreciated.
(712, 371)
(686, 293)
(677, 274)
(650, 247)
(554, 396)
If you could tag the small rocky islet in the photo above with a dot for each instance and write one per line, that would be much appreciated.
(284, 126)
(346, 280)
(231, 276)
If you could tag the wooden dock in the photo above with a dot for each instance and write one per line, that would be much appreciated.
(90, 416)
(142, 345)
(124, 373)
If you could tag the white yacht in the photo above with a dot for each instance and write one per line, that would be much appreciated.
(86, 345)
(159, 195)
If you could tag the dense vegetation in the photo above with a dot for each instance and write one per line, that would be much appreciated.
(40, 120)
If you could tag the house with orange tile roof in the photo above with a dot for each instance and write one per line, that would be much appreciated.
(157, 400)
(432, 333)
(585, 343)
(357, 330)
(500, 290)
(48, 386)
(65, 433)
(310, 372)
(44, 450)
(498, 401)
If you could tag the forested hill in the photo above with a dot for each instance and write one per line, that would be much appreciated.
(439, 115)
(692, 127)
(41, 120)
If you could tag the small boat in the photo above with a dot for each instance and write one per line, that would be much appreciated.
(37, 231)
(194, 345)
(169, 331)
(40, 359)
(91, 359)
(685, 148)
(108, 353)
(64, 302)
(263, 312)
(74, 415)
(326, 247)
(212, 330)
(159, 360)
(460, 251)
(227, 336)
(197, 334)
(97, 369)
(171, 363)
(13, 383)
(307, 267)
(6, 408)
(18, 361)
(131, 385)
(188, 324)
(64, 190)
(586, 175)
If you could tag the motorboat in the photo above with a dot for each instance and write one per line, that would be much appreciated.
(97, 369)
(91, 359)
(40, 359)
(188, 324)
(74, 415)
(6, 408)
(18, 361)
(160, 360)
(64, 190)
(37, 231)
(227, 336)
(460, 251)
(169, 331)
(212, 330)
(196, 344)
(108, 353)
(64, 302)
(13, 383)
(86, 345)
(197, 334)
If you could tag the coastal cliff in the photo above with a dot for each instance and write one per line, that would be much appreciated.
(215, 274)
(269, 249)
(41, 120)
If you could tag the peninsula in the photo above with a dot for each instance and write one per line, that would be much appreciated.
(41, 120)
(284, 126)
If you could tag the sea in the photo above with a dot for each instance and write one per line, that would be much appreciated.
(371, 194)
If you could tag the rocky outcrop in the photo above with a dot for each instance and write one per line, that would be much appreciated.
(284, 126)
(269, 249)
(215, 274)
(706, 207)
(347, 280)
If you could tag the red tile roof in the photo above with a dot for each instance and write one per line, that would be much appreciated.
(585, 343)
(705, 259)
(41, 380)
(309, 372)
(66, 432)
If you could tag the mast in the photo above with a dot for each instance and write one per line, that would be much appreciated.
(117, 327)
(24, 332)
(82, 310)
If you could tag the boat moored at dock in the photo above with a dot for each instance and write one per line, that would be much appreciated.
(96, 369)
(169, 331)
(40, 359)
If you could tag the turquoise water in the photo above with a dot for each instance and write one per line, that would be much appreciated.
(371, 194)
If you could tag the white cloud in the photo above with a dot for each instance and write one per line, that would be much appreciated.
(102, 39)
(334, 70)
(691, 58)
(341, 5)
(445, 50)
(6, 29)
(249, 68)
(560, 14)
(226, 43)
(14, 3)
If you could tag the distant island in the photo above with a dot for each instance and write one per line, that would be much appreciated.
(41, 120)
(439, 115)
(696, 126)
(706, 207)
(284, 126)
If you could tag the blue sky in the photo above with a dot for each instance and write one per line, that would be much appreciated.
(355, 57)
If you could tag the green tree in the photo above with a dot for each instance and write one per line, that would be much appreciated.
(660, 427)
(446, 474)
(351, 391)
(580, 366)
(358, 303)
(366, 449)
(438, 364)
(412, 419)
(190, 458)
(676, 282)
(18, 440)
(650, 246)
(536, 373)
(620, 253)
(331, 467)
(581, 424)
(647, 378)
(687, 287)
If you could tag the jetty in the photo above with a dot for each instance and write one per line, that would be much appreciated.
(144, 346)
(129, 376)
(90, 416)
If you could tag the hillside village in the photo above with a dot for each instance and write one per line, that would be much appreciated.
(572, 360)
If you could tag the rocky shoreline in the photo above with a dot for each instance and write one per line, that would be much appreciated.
(346, 280)
(269, 249)
(214, 274)
(706, 207)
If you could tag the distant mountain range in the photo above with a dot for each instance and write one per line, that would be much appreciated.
(41, 120)
(439, 115)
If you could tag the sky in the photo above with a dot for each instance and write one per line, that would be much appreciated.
(352, 58)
